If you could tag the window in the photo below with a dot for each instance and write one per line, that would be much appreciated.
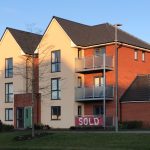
(79, 82)
(96, 81)
(135, 55)
(55, 61)
(28, 74)
(79, 53)
(79, 110)
(143, 56)
(8, 68)
(99, 51)
(55, 112)
(8, 114)
(9, 92)
(98, 110)
(55, 88)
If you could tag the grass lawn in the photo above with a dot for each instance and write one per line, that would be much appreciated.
(78, 141)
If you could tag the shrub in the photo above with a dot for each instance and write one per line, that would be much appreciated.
(86, 128)
(131, 125)
(38, 126)
(6, 127)
(42, 127)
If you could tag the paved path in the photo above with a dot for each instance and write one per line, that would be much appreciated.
(79, 131)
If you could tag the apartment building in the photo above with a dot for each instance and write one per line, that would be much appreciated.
(16, 48)
(75, 76)
(79, 72)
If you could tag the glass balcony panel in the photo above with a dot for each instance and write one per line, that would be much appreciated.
(92, 63)
(92, 93)
(88, 61)
(98, 92)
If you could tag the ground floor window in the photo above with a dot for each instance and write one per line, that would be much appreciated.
(79, 110)
(55, 112)
(98, 110)
(8, 114)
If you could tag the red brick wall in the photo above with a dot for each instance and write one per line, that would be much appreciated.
(128, 69)
(25, 100)
(139, 111)
(88, 108)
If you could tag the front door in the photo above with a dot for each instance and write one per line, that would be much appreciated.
(20, 117)
(27, 117)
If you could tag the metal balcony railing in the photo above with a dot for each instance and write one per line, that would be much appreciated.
(93, 63)
(94, 93)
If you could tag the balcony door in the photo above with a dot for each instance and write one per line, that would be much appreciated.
(98, 86)
(98, 110)
(98, 81)
(99, 51)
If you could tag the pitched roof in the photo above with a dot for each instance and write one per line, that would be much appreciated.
(27, 41)
(84, 35)
(139, 90)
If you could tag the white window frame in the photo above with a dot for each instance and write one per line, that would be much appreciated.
(135, 54)
(143, 56)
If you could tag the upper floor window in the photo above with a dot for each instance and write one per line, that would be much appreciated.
(8, 114)
(55, 61)
(135, 55)
(143, 56)
(55, 89)
(9, 92)
(9, 67)
(55, 112)
(79, 53)
(98, 81)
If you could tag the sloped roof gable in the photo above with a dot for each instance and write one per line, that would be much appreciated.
(84, 35)
(26, 40)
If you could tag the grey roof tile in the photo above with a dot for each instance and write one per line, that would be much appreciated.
(84, 35)
(139, 90)
(27, 41)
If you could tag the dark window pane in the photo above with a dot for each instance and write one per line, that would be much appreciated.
(55, 112)
(9, 68)
(55, 88)
(55, 61)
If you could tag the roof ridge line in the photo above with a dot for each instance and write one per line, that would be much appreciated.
(134, 36)
(71, 21)
(9, 28)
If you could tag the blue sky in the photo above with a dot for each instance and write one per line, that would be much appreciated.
(133, 14)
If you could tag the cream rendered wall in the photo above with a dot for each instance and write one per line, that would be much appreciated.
(10, 48)
(56, 39)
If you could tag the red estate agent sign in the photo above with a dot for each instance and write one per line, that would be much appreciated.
(89, 121)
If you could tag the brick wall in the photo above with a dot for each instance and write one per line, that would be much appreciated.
(136, 111)
(128, 69)
(24, 100)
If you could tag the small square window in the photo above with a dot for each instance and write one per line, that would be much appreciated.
(55, 112)
(8, 114)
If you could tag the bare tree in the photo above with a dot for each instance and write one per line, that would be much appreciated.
(28, 73)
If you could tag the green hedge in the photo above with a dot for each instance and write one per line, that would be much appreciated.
(131, 125)
(6, 127)
(42, 127)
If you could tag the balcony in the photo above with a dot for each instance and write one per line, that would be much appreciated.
(94, 93)
(93, 64)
